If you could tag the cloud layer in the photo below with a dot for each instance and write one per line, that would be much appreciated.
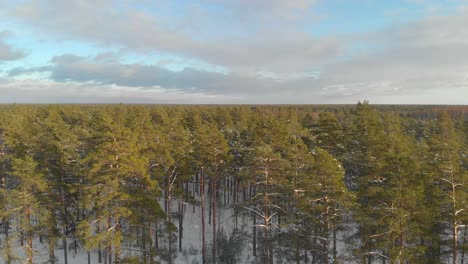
(121, 23)
(266, 49)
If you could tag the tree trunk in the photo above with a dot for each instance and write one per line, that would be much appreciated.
(65, 245)
(52, 250)
(326, 236)
(156, 240)
(455, 243)
(117, 248)
(254, 231)
(314, 252)
(181, 219)
(195, 191)
(266, 241)
(335, 252)
(109, 248)
(29, 251)
(454, 221)
(463, 246)
(169, 217)
(298, 254)
(202, 192)
(65, 214)
(213, 194)
(99, 246)
(254, 236)
(210, 197)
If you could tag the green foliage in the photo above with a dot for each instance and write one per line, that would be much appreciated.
(390, 182)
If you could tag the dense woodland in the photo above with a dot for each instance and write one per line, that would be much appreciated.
(390, 183)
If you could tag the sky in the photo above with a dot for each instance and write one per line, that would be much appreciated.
(234, 51)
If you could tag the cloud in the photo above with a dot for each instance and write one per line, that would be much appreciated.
(417, 57)
(47, 91)
(277, 45)
(266, 10)
(73, 68)
(7, 52)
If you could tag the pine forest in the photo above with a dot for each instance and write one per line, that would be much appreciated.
(234, 184)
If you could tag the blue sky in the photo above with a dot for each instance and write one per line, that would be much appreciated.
(234, 51)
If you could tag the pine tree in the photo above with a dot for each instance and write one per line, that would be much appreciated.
(268, 168)
(171, 158)
(212, 155)
(395, 198)
(57, 153)
(25, 202)
(450, 177)
(5, 217)
(362, 163)
(116, 168)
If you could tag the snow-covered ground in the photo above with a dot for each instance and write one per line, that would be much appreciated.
(192, 238)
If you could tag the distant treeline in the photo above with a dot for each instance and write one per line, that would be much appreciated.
(106, 178)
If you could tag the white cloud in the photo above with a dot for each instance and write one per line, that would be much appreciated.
(7, 51)
(278, 45)
(45, 91)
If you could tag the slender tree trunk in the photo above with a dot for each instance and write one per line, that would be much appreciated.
(169, 217)
(298, 254)
(455, 243)
(254, 236)
(156, 240)
(210, 197)
(181, 219)
(236, 218)
(454, 221)
(109, 257)
(202, 192)
(229, 190)
(6, 223)
(64, 212)
(254, 231)
(146, 239)
(117, 246)
(166, 194)
(314, 252)
(29, 250)
(194, 186)
(236, 190)
(65, 245)
(99, 246)
(335, 252)
(52, 242)
(8, 254)
(109, 248)
(244, 194)
(197, 182)
(151, 247)
(266, 241)
(463, 246)
(326, 234)
(224, 190)
(213, 194)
